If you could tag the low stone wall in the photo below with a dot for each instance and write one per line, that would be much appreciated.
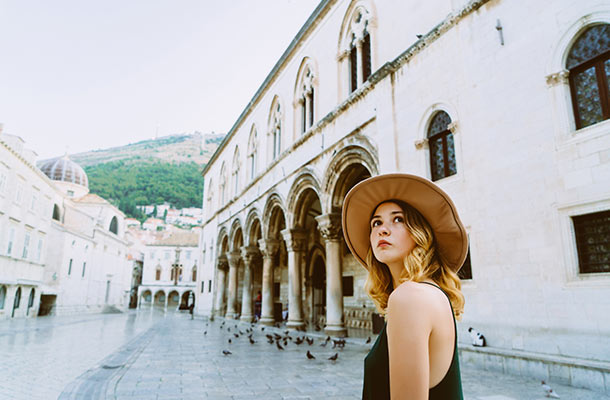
(588, 374)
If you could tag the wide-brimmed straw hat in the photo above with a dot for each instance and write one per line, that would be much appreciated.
(427, 198)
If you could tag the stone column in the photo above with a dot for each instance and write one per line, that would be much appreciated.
(248, 255)
(295, 244)
(329, 226)
(359, 68)
(307, 106)
(232, 301)
(268, 248)
(221, 285)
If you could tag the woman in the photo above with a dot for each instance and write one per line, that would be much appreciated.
(406, 232)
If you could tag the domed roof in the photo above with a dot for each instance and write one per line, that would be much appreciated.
(65, 170)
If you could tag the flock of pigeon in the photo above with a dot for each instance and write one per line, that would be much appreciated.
(281, 341)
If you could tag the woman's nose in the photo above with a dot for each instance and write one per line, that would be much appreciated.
(383, 230)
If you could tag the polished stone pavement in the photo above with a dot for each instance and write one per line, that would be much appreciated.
(151, 355)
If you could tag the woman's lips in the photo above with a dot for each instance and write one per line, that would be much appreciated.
(383, 243)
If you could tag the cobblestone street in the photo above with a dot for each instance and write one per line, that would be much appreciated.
(149, 355)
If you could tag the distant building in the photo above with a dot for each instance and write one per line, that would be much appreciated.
(132, 222)
(153, 224)
(169, 274)
(62, 250)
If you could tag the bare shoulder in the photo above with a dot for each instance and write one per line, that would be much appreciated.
(414, 296)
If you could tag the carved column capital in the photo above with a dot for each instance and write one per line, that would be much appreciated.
(295, 239)
(329, 226)
(268, 247)
(249, 254)
(233, 258)
(222, 263)
(558, 78)
(421, 144)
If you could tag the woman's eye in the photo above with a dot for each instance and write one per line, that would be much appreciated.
(398, 219)
(375, 223)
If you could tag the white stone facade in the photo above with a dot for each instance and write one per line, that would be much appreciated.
(521, 171)
(169, 273)
(61, 253)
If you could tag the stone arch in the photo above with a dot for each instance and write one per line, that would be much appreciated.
(275, 129)
(253, 228)
(274, 216)
(159, 298)
(236, 237)
(315, 275)
(367, 5)
(173, 299)
(303, 195)
(146, 297)
(222, 242)
(426, 119)
(338, 179)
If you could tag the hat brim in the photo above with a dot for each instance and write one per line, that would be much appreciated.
(426, 197)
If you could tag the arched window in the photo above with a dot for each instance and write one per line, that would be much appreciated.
(17, 301)
(210, 197)
(275, 128)
(223, 185)
(252, 152)
(31, 299)
(56, 213)
(194, 273)
(589, 71)
(355, 48)
(114, 226)
(235, 171)
(158, 273)
(305, 98)
(442, 148)
(2, 296)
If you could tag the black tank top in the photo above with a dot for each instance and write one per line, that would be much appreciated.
(377, 371)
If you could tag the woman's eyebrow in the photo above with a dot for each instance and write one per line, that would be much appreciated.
(393, 212)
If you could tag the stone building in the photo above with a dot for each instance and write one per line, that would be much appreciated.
(62, 248)
(504, 104)
(169, 275)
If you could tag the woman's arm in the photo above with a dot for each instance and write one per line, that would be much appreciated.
(409, 328)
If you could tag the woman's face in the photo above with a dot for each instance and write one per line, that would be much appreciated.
(390, 238)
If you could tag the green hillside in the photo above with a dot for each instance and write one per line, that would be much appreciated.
(127, 184)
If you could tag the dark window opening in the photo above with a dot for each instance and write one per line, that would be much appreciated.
(311, 108)
(353, 68)
(70, 267)
(348, 286)
(114, 228)
(466, 271)
(56, 214)
(366, 56)
(209, 286)
(276, 289)
(304, 116)
(592, 233)
(84, 266)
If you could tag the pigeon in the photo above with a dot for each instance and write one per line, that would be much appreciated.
(251, 340)
(309, 340)
(262, 328)
(334, 358)
(286, 333)
(226, 352)
(205, 332)
(323, 344)
(299, 341)
(310, 356)
(230, 341)
(269, 337)
(339, 343)
(236, 335)
(279, 346)
(419, 36)
(228, 329)
(478, 340)
(368, 340)
(317, 328)
(277, 337)
(549, 390)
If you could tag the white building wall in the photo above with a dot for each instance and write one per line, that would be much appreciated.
(523, 168)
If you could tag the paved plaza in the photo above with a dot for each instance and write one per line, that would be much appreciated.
(151, 355)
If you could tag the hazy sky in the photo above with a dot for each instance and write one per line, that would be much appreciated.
(79, 75)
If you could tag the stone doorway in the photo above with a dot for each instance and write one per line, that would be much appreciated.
(318, 283)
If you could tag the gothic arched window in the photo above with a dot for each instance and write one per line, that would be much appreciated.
(305, 98)
(252, 152)
(194, 273)
(235, 171)
(158, 273)
(275, 128)
(356, 47)
(589, 65)
(2, 296)
(442, 148)
(223, 185)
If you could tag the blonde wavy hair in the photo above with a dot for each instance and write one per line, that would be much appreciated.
(422, 262)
